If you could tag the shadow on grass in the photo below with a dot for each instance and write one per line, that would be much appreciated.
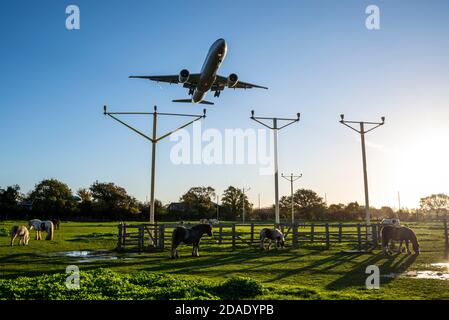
(356, 277)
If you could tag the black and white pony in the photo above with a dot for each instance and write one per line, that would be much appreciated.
(191, 236)
(40, 226)
(274, 235)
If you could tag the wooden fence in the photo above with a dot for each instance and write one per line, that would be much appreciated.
(158, 236)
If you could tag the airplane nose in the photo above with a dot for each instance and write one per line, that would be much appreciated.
(221, 42)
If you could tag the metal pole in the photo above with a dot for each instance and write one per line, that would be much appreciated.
(293, 203)
(275, 128)
(362, 131)
(153, 167)
(217, 208)
(243, 204)
(276, 172)
(243, 200)
(365, 175)
(399, 201)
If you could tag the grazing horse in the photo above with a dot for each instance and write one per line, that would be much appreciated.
(189, 236)
(274, 235)
(40, 226)
(56, 223)
(22, 232)
(399, 233)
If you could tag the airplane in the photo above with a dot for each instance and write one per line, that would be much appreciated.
(199, 84)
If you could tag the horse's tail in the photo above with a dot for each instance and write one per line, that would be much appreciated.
(414, 240)
(51, 231)
(384, 235)
(173, 238)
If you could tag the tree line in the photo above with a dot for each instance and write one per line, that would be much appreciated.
(52, 198)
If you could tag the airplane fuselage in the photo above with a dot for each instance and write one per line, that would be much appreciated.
(214, 59)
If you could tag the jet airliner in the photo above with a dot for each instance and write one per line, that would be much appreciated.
(199, 84)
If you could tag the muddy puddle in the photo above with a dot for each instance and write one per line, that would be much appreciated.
(442, 274)
(85, 256)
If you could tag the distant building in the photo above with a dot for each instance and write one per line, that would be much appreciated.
(176, 207)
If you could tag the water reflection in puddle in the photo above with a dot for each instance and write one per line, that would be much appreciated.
(90, 256)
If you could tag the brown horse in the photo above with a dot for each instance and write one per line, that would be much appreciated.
(189, 236)
(399, 233)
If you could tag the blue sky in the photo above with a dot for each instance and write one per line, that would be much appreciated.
(316, 57)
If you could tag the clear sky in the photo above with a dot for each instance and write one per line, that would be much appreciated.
(316, 57)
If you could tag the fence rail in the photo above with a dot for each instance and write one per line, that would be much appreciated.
(158, 236)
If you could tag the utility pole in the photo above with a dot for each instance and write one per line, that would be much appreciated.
(275, 129)
(362, 131)
(259, 200)
(154, 140)
(292, 178)
(399, 201)
(217, 208)
(243, 200)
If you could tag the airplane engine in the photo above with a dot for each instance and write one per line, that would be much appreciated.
(232, 80)
(184, 76)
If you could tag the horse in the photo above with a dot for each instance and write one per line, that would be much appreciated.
(399, 233)
(22, 232)
(390, 221)
(56, 223)
(40, 226)
(274, 235)
(190, 235)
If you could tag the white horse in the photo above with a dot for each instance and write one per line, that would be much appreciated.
(22, 232)
(274, 235)
(40, 226)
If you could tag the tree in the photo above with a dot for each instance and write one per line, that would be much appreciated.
(10, 197)
(85, 195)
(109, 198)
(51, 197)
(9, 200)
(308, 203)
(232, 202)
(198, 202)
(437, 203)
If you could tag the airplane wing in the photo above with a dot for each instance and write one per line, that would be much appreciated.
(193, 78)
(221, 82)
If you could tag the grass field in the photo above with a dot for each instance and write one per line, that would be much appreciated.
(308, 272)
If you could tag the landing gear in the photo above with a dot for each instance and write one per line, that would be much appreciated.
(217, 93)
(191, 91)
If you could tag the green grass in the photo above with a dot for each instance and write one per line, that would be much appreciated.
(308, 272)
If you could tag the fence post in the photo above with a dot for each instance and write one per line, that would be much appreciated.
(312, 232)
(124, 236)
(161, 237)
(327, 235)
(156, 235)
(252, 233)
(295, 235)
(233, 236)
(120, 237)
(340, 232)
(359, 236)
(374, 233)
(141, 237)
(220, 235)
(446, 238)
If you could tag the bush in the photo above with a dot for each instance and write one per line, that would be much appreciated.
(4, 232)
(104, 284)
(239, 287)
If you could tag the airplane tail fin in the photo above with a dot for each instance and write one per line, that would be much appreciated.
(190, 101)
